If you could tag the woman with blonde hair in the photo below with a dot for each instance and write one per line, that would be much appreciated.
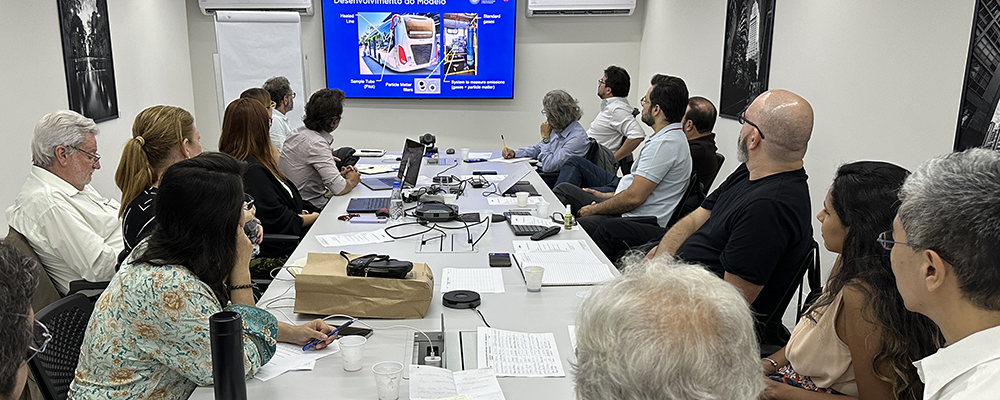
(245, 135)
(161, 136)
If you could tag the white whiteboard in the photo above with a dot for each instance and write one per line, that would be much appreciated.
(257, 45)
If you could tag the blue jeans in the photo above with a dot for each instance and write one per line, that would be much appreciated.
(580, 172)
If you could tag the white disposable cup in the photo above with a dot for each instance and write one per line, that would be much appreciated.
(522, 199)
(465, 153)
(484, 214)
(352, 349)
(542, 210)
(533, 277)
(387, 376)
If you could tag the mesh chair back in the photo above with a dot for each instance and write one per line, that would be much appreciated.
(67, 322)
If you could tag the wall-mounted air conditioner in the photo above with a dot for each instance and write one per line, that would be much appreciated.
(208, 7)
(571, 8)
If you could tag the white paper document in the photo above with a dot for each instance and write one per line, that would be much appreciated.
(480, 154)
(374, 169)
(521, 354)
(566, 262)
(430, 383)
(488, 178)
(290, 357)
(482, 280)
(354, 238)
(525, 246)
(511, 201)
(511, 160)
(572, 336)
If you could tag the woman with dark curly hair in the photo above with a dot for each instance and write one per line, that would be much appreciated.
(857, 339)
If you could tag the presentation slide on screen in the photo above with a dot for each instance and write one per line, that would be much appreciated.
(420, 48)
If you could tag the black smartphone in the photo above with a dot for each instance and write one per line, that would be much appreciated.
(355, 331)
(484, 172)
(499, 259)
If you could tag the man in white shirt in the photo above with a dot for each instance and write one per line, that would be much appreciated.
(74, 230)
(282, 96)
(947, 266)
(615, 127)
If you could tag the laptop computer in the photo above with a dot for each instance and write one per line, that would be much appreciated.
(513, 183)
(409, 169)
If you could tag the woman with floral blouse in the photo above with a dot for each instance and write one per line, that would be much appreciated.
(149, 334)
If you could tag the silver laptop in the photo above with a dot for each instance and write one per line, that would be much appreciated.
(519, 172)
(409, 169)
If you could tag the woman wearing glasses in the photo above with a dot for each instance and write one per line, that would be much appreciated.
(280, 208)
(161, 136)
(149, 333)
(18, 327)
(857, 339)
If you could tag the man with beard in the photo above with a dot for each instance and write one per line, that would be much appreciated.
(660, 174)
(282, 96)
(754, 230)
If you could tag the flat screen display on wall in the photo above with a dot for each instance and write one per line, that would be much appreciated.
(423, 49)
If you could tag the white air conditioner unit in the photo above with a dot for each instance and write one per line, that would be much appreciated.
(209, 7)
(571, 8)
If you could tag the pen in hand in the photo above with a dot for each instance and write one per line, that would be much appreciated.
(314, 342)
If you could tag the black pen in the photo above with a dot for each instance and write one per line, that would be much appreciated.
(314, 342)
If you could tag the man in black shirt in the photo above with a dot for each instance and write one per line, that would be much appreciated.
(754, 229)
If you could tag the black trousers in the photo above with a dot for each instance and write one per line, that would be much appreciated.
(616, 236)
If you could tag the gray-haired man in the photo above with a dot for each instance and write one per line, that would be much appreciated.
(74, 230)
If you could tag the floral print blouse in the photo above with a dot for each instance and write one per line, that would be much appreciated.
(148, 337)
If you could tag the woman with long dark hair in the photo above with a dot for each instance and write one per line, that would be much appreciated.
(857, 339)
(149, 332)
(280, 208)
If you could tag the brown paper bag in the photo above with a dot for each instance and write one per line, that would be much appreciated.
(324, 288)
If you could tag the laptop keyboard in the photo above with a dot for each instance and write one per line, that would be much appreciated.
(522, 230)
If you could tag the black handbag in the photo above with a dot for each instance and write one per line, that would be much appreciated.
(377, 266)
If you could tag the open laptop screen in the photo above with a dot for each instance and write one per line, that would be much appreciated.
(409, 163)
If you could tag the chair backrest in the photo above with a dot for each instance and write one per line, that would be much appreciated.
(601, 157)
(46, 292)
(691, 190)
(67, 320)
(722, 160)
(773, 327)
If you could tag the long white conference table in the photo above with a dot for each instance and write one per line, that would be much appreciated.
(551, 310)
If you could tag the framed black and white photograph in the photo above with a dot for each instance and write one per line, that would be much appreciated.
(747, 54)
(978, 117)
(90, 69)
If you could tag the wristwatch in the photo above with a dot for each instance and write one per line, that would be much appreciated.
(546, 140)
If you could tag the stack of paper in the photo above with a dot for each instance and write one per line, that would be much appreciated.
(290, 357)
(355, 238)
(481, 280)
(566, 262)
(511, 353)
(429, 383)
(511, 201)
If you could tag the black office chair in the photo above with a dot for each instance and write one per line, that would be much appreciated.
(722, 160)
(774, 334)
(66, 320)
(693, 190)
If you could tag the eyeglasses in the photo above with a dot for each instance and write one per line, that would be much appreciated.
(273, 104)
(544, 112)
(643, 101)
(293, 95)
(600, 82)
(247, 202)
(743, 120)
(39, 340)
(885, 239)
(93, 156)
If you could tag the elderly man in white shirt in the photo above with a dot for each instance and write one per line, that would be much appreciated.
(615, 127)
(282, 96)
(945, 257)
(74, 230)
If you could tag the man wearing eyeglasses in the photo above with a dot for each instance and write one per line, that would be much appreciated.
(74, 230)
(946, 261)
(282, 96)
(17, 287)
(755, 229)
(615, 127)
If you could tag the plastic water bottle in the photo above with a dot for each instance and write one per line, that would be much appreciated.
(396, 202)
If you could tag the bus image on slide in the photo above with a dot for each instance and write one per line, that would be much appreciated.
(400, 43)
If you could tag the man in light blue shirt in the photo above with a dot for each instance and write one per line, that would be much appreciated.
(562, 135)
(660, 174)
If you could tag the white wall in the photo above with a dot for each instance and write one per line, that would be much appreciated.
(550, 53)
(884, 77)
(152, 66)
